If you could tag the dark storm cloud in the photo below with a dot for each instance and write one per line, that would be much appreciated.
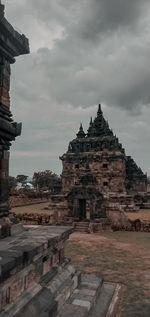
(82, 52)
(102, 53)
(105, 16)
(99, 58)
(89, 19)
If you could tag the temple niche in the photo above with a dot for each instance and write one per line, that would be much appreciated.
(98, 179)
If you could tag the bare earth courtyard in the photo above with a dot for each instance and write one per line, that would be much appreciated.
(120, 257)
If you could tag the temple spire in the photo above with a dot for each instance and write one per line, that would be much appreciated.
(99, 112)
(81, 133)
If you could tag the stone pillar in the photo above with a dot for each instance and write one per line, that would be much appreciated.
(5, 117)
(12, 44)
(5, 120)
(4, 194)
(5, 87)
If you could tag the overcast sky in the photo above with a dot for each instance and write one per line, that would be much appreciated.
(83, 52)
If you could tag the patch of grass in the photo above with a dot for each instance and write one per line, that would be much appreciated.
(122, 257)
(36, 208)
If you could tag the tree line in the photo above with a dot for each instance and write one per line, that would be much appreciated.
(41, 181)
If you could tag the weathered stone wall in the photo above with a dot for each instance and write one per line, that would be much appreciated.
(4, 166)
(108, 168)
(134, 225)
(25, 261)
(12, 44)
(36, 219)
(116, 215)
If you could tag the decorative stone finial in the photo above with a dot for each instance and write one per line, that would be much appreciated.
(99, 109)
(81, 133)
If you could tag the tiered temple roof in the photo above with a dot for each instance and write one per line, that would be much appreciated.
(99, 137)
(99, 127)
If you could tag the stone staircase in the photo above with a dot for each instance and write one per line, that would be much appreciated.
(93, 226)
(81, 226)
(65, 292)
(91, 298)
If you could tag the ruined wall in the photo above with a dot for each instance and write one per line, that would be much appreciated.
(36, 218)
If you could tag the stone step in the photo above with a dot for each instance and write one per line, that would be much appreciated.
(81, 224)
(63, 285)
(83, 299)
(81, 230)
(57, 284)
(73, 311)
(87, 292)
(108, 301)
(91, 300)
(81, 227)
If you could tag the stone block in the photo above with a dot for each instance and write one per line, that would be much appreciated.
(73, 311)
(81, 297)
(85, 291)
(6, 264)
(16, 229)
(91, 278)
(82, 303)
(43, 305)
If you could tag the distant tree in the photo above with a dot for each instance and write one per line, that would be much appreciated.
(46, 180)
(12, 182)
(21, 179)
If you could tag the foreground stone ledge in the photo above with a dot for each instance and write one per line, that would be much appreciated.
(27, 257)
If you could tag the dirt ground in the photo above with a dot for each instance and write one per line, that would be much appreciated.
(121, 257)
(36, 208)
(143, 214)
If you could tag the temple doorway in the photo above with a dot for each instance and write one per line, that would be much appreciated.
(82, 208)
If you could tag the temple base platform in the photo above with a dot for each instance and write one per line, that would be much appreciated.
(37, 280)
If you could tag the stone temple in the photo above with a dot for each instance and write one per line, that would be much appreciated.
(99, 180)
(36, 279)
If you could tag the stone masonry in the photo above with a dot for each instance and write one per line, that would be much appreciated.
(35, 277)
(12, 44)
(98, 179)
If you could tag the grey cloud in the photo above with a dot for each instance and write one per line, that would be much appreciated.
(113, 71)
(105, 16)
(102, 55)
